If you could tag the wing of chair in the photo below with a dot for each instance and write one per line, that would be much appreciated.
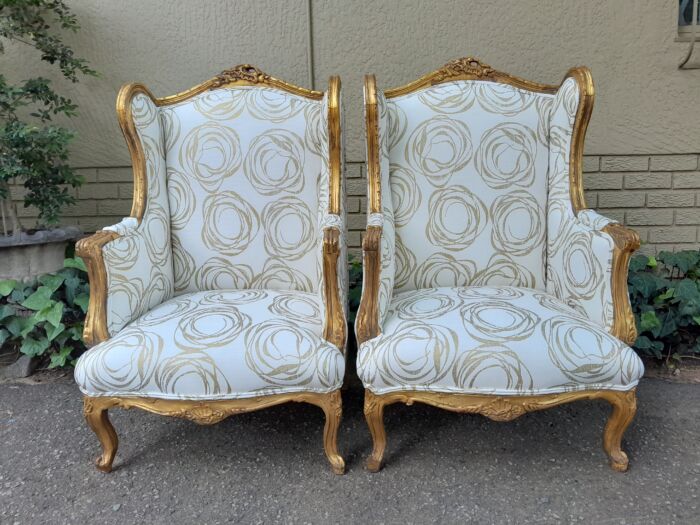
(225, 290)
(489, 287)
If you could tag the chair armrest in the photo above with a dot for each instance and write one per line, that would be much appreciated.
(626, 243)
(127, 278)
(334, 323)
(367, 324)
(606, 247)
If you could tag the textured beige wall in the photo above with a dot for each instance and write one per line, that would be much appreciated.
(645, 109)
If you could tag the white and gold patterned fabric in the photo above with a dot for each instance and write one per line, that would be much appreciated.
(475, 191)
(243, 169)
(217, 345)
(217, 293)
(492, 340)
(139, 263)
(467, 171)
(579, 254)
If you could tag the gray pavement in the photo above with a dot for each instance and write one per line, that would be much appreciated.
(268, 467)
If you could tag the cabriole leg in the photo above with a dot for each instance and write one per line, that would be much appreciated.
(96, 416)
(374, 414)
(624, 408)
(333, 409)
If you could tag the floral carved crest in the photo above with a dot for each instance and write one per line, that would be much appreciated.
(244, 72)
(465, 66)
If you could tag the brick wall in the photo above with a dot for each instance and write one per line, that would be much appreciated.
(659, 196)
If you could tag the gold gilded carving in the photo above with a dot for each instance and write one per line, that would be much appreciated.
(90, 249)
(334, 141)
(335, 325)
(244, 72)
(626, 242)
(368, 312)
(464, 66)
(208, 413)
(372, 126)
(504, 408)
(468, 68)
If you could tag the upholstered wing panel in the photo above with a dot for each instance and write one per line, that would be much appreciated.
(139, 262)
(243, 170)
(385, 219)
(579, 254)
(468, 163)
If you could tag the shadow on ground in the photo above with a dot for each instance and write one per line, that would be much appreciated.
(269, 466)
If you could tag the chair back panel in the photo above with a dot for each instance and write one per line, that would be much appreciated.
(468, 176)
(243, 169)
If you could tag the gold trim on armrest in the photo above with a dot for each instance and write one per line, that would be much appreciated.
(90, 249)
(335, 325)
(626, 242)
(368, 312)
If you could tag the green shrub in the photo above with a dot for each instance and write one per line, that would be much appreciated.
(665, 296)
(44, 318)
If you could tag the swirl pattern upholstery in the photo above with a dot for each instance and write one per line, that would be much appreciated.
(228, 283)
(139, 262)
(493, 340)
(217, 345)
(486, 275)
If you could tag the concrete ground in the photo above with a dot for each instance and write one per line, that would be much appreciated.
(269, 467)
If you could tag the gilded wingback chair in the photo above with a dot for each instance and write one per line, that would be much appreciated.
(225, 290)
(489, 287)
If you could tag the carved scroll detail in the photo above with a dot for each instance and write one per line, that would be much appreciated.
(244, 72)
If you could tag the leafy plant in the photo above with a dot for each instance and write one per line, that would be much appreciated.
(32, 149)
(45, 317)
(665, 296)
(355, 288)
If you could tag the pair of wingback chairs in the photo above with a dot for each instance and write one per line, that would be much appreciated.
(488, 285)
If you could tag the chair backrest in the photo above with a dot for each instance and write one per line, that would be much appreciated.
(245, 158)
(468, 155)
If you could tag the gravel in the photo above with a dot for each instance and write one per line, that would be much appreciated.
(268, 467)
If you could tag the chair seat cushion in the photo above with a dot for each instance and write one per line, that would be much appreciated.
(492, 340)
(217, 345)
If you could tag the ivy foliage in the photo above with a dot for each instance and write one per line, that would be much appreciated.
(44, 317)
(33, 150)
(665, 296)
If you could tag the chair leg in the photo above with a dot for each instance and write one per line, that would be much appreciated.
(374, 414)
(624, 408)
(333, 409)
(98, 419)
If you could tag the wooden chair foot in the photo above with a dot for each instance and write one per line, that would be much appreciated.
(624, 408)
(333, 409)
(98, 420)
(374, 414)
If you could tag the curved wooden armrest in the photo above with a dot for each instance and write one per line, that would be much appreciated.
(626, 242)
(334, 329)
(90, 250)
(368, 313)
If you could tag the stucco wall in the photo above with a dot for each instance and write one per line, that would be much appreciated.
(645, 107)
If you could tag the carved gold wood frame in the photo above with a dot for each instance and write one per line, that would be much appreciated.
(208, 413)
(626, 241)
(504, 408)
(90, 249)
